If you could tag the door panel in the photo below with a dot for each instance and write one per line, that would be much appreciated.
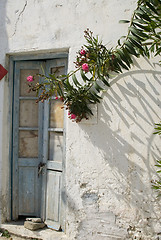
(27, 195)
(24, 73)
(28, 113)
(27, 138)
(53, 199)
(55, 146)
(56, 114)
(53, 152)
(28, 144)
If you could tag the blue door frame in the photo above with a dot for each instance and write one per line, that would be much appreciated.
(17, 62)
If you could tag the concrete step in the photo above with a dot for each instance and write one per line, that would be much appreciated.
(17, 231)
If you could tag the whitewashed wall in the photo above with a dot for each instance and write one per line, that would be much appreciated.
(109, 163)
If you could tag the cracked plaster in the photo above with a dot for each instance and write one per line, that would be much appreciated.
(110, 160)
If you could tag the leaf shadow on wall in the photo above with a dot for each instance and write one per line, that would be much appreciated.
(126, 146)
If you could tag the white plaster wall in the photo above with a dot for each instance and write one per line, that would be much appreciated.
(109, 164)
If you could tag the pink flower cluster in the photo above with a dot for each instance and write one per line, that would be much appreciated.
(85, 67)
(72, 115)
(30, 79)
(82, 52)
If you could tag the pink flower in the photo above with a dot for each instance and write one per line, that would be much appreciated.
(85, 67)
(82, 52)
(56, 98)
(73, 116)
(30, 78)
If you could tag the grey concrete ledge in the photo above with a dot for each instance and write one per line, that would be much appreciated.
(17, 229)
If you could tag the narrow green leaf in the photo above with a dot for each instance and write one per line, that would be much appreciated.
(104, 81)
(119, 61)
(158, 51)
(132, 51)
(137, 44)
(77, 84)
(127, 54)
(117, 67)
(136, 38)
(124, 21)
(138, 11)
(138, 20)
(145, 9)
(151, 7)
(95, 97)
(140, 38)
(83, 76)
(146, 28)
(97, 87)
(138, 32)
(119, 41)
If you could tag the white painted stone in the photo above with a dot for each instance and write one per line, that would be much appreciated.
(109, 162)
(33, 226)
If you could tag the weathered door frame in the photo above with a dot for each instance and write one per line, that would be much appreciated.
(12, 60)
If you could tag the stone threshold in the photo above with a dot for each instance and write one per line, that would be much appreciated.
(17, 229)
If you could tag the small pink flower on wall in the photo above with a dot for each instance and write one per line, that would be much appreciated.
(85, 67)
(30, 79)
(73, 116)
(82, 52)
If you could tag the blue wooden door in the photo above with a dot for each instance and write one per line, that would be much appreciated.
(27, 135)
(38, 137)
(54, 153)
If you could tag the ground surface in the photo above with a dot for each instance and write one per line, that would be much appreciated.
(18, 232)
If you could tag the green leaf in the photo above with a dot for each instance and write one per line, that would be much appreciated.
(84, 77)
(104, 81)
(146, 28)
(145, 9)
(77, 84)
(137, 44)
(136, 38)
(138, 32)
(95, 97)
(123, 57)
(119, 61)
(151, 7)
(117, 66)
(124, 21)
(119, 43)
(131, 50)
(127, 54)
(158, 51)
(68, 85)
(137, 20)
(97, 87)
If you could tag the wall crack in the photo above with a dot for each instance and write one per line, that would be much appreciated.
(19, 18)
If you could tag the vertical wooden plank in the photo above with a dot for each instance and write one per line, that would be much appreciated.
(53, 199)
(15, 192)
(10, 119)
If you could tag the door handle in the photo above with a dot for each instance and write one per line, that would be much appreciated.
(40, 168)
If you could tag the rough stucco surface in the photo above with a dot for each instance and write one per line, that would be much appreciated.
(109, 162)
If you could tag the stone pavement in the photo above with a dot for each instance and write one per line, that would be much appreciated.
(17, 231)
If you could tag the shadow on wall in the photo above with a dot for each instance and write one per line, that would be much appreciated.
(3, 50)
(127, 148)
